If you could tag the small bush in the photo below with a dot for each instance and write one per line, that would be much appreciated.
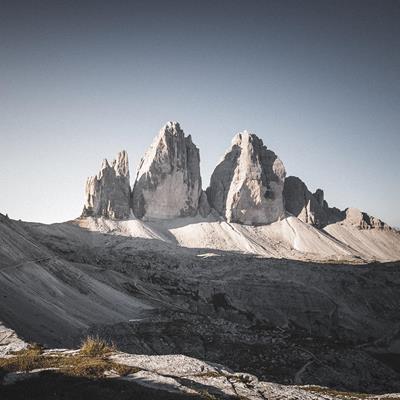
(94, 346)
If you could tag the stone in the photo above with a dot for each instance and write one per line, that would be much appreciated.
(246, 186)
(308, 207)
(362, 220)
(204, 206)
(108, 193)
(314, 210)
(168, 182)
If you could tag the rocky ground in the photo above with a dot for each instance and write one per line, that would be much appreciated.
(36, 373)
(292, 322)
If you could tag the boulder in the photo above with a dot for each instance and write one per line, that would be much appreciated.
(168, 182)
(246, 186)
(108, 193)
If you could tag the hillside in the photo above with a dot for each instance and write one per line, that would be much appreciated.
(134, 283)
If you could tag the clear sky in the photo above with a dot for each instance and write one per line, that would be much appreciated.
(318, 81)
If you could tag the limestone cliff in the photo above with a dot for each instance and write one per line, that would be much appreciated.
(108, 193)
(168, 182)
(246, 186)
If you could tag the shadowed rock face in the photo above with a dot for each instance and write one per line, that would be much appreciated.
(309, 207)
(314, 210)
(288, 321)
(168, 182)
(246, 187)
(108, 193)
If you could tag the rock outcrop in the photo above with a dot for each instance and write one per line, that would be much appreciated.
(362, 220)
(108, 193)
(314, 210)
(204, 206)
(308, 207)
(168, 182)
(246, 187)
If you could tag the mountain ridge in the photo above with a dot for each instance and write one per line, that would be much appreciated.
(248, 187)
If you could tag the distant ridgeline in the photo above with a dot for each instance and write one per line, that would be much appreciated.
(249, 186)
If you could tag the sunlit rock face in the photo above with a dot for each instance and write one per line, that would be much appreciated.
(108, 193)
(168, 182)
(246, 186)
(362, 220)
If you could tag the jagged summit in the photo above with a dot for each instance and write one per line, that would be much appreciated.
(362, 220)
(246, 187)
(313, 209)
(173, 127)
(249, 186)
(168, 181)
(108, 193)
(121, 164)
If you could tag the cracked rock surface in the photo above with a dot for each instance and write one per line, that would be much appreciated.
(168, 182)
(246, 186)
(108, 193)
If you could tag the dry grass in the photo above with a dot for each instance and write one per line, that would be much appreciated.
(94, 346)
(204, 394)
(339, 394)
(90, 362)
(94, 367)
(24, 360)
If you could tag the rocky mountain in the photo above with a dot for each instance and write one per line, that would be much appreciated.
(108, 193)
(168, 182)
(362, 220)
(304, 293)
(314, 210)
(311, 208)
(151, 287)
(246, 186)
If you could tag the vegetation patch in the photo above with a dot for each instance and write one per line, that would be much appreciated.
(94, 346)
(342, 395)
(90, 362)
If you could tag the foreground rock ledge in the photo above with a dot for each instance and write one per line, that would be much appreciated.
(184, 377)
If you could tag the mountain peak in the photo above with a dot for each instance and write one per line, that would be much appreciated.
(108, 193)
(246, 187)
(168, 182)
(171, 128)
(121, 164)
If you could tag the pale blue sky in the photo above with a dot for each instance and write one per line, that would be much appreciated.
(319, 82)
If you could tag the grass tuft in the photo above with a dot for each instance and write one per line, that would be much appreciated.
(91, 361)
(94, 346)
